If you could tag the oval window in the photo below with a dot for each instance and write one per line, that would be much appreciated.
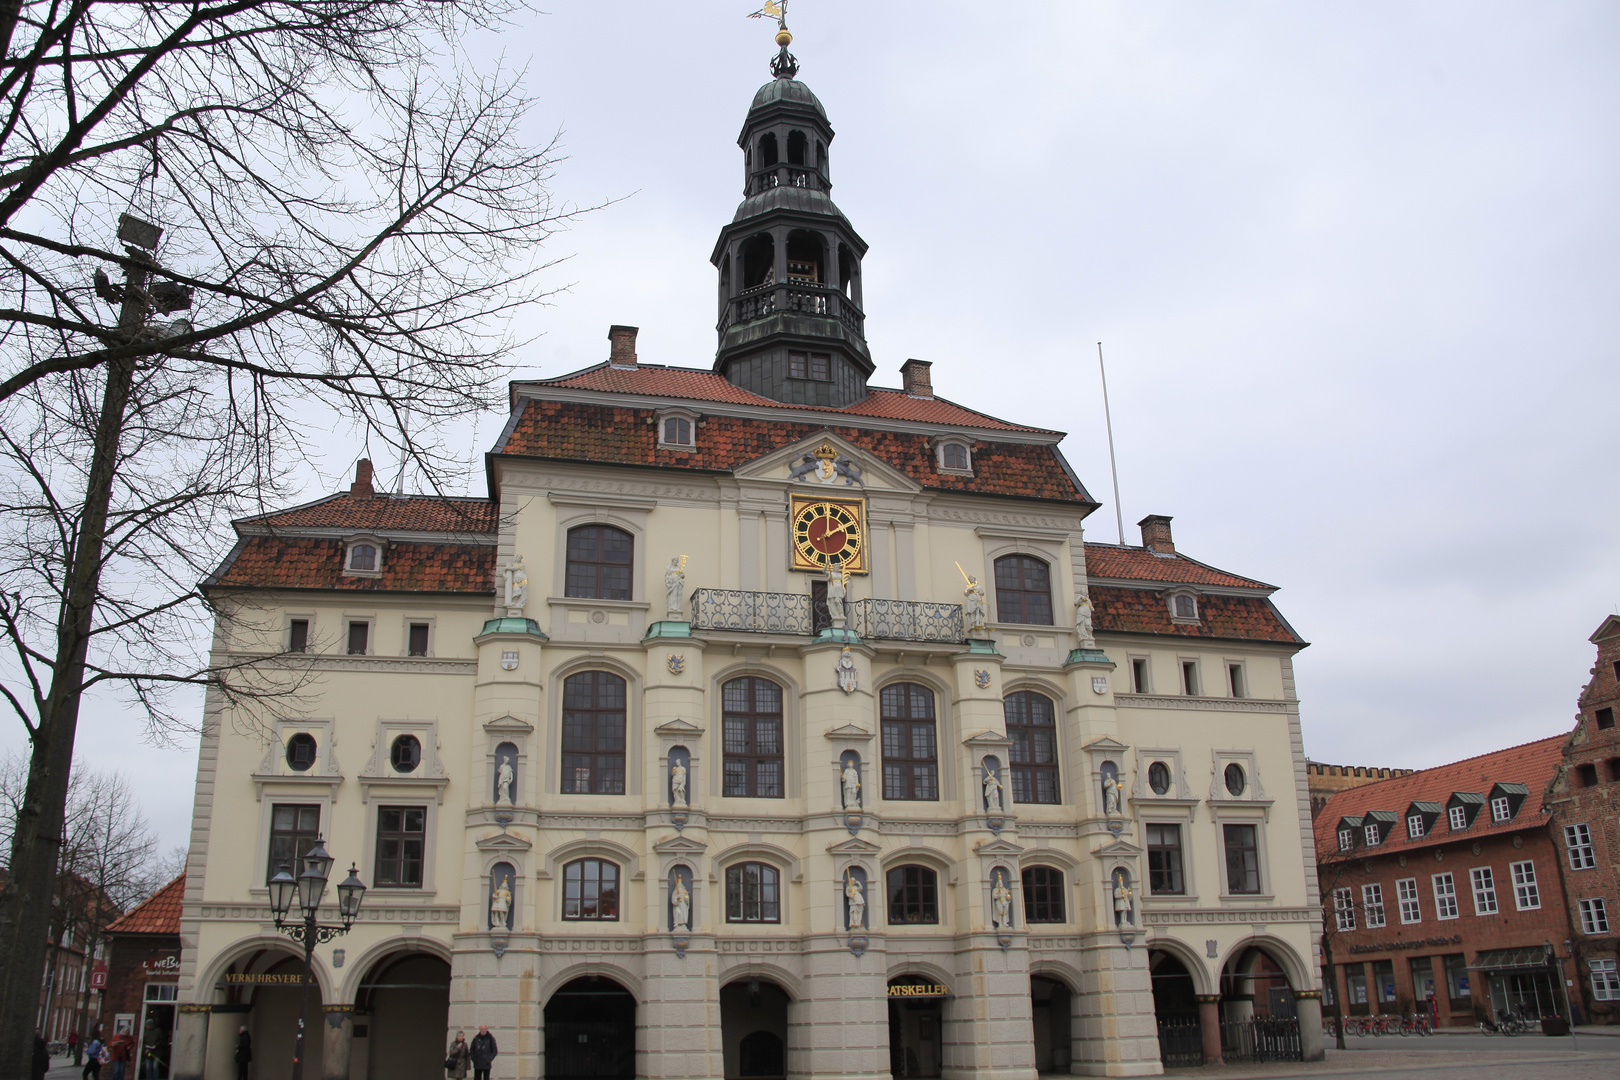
(301, 752)
(406, 754)
(1159, 777)
(1235, 780)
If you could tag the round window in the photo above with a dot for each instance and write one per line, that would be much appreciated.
(405, 754)
(1159, 777)
(301, 752)
(1235, 780)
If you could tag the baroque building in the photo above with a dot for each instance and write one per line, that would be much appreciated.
(758, 722)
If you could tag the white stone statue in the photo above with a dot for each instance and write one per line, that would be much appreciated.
(677, 782)
(504, 778)
(836, 588)
(992, 791)
(1082, 622)
(848, 677)
(851, 777)
(1001, 899)
(1122, 901)
(683, 904)
(857, 902)
(517, 587)
(675, 587)
(500, 905)
(974, 608)
(1110, 787)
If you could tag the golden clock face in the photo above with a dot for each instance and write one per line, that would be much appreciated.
(828, 533)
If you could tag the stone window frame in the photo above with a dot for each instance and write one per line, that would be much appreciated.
(354, 540)
(781, 891)
(620, 884)
(1170, 596)
(374, 826)
(787, 867)
(677, 412)
(350, 618)
(305, 616)
(1059, 747)
(406, 621)
(938, 444)
(634, 718)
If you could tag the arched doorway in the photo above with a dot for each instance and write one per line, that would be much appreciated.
(916, 1023)
(590, 1028)
(1175, 1009)
(272, 1020)
(400, 1018)
(754, 1029)
(1052, 1011)
(1259, 1020)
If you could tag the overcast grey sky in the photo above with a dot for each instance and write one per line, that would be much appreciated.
(1354, 265)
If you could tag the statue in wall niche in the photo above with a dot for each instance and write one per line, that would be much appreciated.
(517, 587)
(681, 898)
(992, 790)
(851, 776)
(677, 783)
(974, 608)
(857, 901)
(1123, 912)
(1110, 786)
(837, 587)
(500, 905)
(504, 778)
(1001, 901)
(1082, 622)
(675, 587)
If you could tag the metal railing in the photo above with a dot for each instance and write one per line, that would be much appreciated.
(1261, 1039)
(906, 620)
(791, 613)
(1181, 1040)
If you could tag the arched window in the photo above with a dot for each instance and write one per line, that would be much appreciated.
(767, 150)
(753, 893)
(599, 563)
(1032, 727)
(913, 895)
(1043, 895)
(910, 757)
(752, 718)
(591, 890)
(954, 455)
(593, 733)
(797, 145)
(362, 556)
(1023, 590)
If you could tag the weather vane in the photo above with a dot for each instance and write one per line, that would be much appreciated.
(784, 65)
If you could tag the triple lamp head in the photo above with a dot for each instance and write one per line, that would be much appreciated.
(311, 886)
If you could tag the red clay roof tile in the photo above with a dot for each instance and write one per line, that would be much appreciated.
(1140, 564)
(159, 914)
(1144, 611)
(306, 562)
(424, 513)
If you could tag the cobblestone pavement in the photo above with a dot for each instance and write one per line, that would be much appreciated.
(1595, 1058)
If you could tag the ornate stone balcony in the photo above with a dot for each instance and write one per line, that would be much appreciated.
(797, 614)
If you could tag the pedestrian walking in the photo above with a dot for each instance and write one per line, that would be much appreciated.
(459, 1059)
(92, 1060)
(483, 1052)
(122, 1049)
(244, 1052)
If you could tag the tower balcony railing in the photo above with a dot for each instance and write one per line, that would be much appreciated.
(803, 297)
(801, 615)
(784, 175)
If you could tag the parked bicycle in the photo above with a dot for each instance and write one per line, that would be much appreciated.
(1507, 1023)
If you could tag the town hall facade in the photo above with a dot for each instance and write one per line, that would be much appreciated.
(760, 722)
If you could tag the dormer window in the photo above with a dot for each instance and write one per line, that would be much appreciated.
(1462, 808)
(1186, 607)
(1457, 817)
(1347, 839)
(1414, 826)
(677, 429)
(1421, 818)
(363, 555)
(1501, 809)
(1506, 799)
(1371, 832)
(953, 454)
(1183, 607)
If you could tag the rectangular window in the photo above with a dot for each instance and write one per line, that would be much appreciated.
(1605, 717)
(1406, 893)
(752, 722)
(1043, 895)
(1458, 816)
(593, 734)
(1445, 896)
(1457, 977)
(298, 635)
(1605, 979)
(1189, 678)
(1164, 860)
(1242, 859)
(910, 749)
(1422, 978)
(1347, 839)
(1355, 987)
(1372, 905)
(401, 835)
(753, 893)
(1344, 909)
(1139, 676)
(1526, 895)
(1484, 890)
(419, 638)
(293, 831)
(359, 636)
(1371, 833)
(820, 366)
(1414, 826)
(1235, 681)
(798, 368)
(1384, 981)
(1501, 809)
(1578, 840)
(1594, 916)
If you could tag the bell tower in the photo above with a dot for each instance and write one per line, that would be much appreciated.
(791, 323)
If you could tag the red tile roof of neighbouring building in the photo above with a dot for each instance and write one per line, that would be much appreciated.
(1140, 564)
(1145, 611)
(383, 513)
(159, 914)
(1532, 764)
(303, 562)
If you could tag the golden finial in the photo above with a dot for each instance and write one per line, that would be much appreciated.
(827, 451)
(784, 37)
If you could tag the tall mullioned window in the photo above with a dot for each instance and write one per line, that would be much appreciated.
(293, 831)
(1406, 891)
(1043, 895)
(1484, 883)
(599, 562)
(1445, 896)
(1526, 893)
(1372, 905)
(1164, 860)
(752, 718)
(753, 893)
(1242, 858)
(1023, 590)
(913, 895)
(401, 842)
(910, 745)
(1578, 842)
(591, 890)
(593, 733)
(1344, 909)
(1032, 727)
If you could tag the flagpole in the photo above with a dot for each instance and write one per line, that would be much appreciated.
(1113, 466)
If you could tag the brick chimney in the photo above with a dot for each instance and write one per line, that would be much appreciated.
(622, 353)
(361, 488)
(917, 381)
(1156, 534)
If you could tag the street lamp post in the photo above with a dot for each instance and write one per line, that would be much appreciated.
(309, 887)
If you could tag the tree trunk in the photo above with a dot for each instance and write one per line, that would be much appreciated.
(25, 900)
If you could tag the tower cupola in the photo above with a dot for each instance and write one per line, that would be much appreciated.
(791, 321)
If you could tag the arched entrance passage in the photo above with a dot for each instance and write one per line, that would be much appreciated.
(400, 1017)
(916, 1023)
(754, 1029)
(1051, 1008)
(1259, 1019)
(1175, 1008)
(273, 1018)
(590, 1027)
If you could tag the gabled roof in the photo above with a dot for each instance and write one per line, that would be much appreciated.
(380, 513)
(1127, 563)
(307, 562)
(1528, 766)
(160, 914)
(1144, 611)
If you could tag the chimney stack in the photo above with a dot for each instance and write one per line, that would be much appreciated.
(917, 381)
(361, 488)
(1156, 534)
(622, 353)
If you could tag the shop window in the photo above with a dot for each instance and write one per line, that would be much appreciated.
(1242, 859)
(1445, 896)
(1578, 843)
(1484, 884)
(591, 890)
(1372, 905)
(1164, 860)
(1032, 727)
(1384, 982)
(752, 719)
(1344, 909)
(401, 836)
(910, 755)
(1422, 969)
(1355, 987)
(593, 716)
(301, 752)
(599, 563)
(1043, 895)
(1594, 916)
(753, 893)
(405, 754)
(913, 895)
(1023, 590)
(1526, 893)
(298, 635)
(293, 831)
(1457, 978)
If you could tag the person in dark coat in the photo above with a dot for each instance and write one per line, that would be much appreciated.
(459, 1058)
(483, 1052)
(42, 1058)
(244, 1052)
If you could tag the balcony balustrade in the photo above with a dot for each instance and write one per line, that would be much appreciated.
(794, 613)
(804, 297)
(783, 175)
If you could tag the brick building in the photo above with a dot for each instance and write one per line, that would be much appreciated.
(143, 968)
(1444, 883)
(1585, 803)
(1326, 781)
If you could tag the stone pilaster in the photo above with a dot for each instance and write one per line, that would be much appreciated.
(989, 1031)
(189, 1053)
(841, 1031)
(1116, 1033)
(1308, 1006)
(679, 1021)
(338, 1038)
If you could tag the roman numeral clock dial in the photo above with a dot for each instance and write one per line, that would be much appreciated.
(828, 533)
